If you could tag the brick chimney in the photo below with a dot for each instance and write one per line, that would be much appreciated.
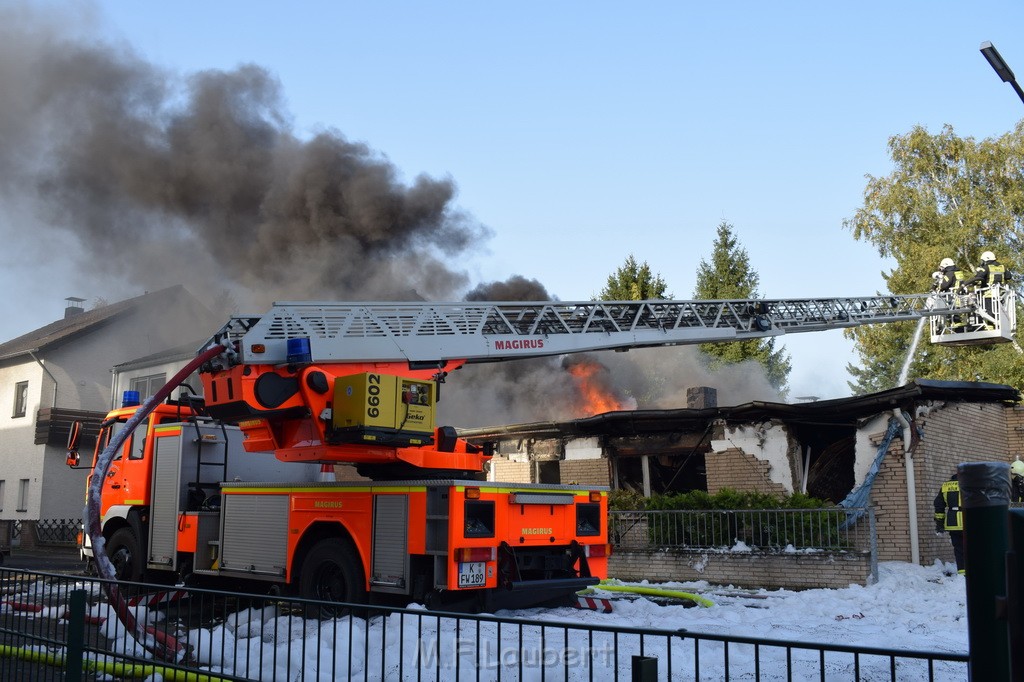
(701, 397)
(74, 306)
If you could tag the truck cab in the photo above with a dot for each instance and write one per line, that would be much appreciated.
(126, 489)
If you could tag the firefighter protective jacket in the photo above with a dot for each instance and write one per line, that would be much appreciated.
(989, 273)
(1016, 489)
(947, 506)
(952, 279)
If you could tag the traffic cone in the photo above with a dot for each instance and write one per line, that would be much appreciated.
(326, 472)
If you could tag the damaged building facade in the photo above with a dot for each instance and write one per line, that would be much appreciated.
(918, 434)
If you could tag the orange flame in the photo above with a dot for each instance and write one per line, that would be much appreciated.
(594, 396)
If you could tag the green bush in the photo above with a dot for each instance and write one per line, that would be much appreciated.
(626, 500)
(731, 515)
(727, 498)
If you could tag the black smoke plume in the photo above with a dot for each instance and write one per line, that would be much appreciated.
(515, 288)
(543, 389)
(146, 179)
(201, 180)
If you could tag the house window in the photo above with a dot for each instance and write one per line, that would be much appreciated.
(22, 495)
(3, 487)
(20, 398)
(148, 385)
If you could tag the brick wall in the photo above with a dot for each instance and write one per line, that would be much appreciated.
(1014, 431)
(960, 432)
(749, 570)
(953, 433)
(585, 471)
(347, 472)
(511, 472)
(737, 470)
(889, 498)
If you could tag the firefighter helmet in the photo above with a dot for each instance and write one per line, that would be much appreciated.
(1017, 468)
(987, 256)
(946, 263)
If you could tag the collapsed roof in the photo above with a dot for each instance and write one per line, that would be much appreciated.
(836, 412)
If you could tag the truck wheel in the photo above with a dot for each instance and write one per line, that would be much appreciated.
(124, 552)
(332, 572)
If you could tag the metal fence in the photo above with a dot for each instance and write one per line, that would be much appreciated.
(46, 531)
(828, 530)
(59, 627)
(58, 531)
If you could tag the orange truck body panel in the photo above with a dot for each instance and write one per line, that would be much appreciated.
(519, 525)
(188, 533)
(279, 408)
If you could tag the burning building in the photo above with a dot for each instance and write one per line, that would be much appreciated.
(917, 433)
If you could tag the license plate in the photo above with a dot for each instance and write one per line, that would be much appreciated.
(472, 574)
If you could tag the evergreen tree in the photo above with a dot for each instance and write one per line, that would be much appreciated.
(948, 197)
(729, 276)
(633, 282)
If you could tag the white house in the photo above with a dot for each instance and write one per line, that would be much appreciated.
(149, 373)
(62, 372)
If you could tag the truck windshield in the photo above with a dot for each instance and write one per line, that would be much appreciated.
(136, 444)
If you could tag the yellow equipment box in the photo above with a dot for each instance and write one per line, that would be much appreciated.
(383, 408)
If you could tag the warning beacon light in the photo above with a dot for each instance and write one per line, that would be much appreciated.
(130, 399)
(298, 350)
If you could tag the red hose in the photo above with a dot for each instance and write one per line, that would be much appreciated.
(159, 643)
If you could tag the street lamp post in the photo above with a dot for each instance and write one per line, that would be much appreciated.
(1000, 67)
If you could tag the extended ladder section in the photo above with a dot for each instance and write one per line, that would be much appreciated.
(428, 333)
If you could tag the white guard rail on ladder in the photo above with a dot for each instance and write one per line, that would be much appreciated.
(491, 331)
(992, 317)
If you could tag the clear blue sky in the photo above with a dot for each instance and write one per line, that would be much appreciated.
(580, 132)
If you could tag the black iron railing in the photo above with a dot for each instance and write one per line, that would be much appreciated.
(45, 531)
(60, 627)
(58, 531)
(832, 529)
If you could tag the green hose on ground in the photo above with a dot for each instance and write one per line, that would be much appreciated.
(122, 670)
(616, 586)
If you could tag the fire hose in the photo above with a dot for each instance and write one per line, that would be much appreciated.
(612, 585)
(159, 643)
(119, 670)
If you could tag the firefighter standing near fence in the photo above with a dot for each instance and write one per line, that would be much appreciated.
(1016, 481)
(949, 518)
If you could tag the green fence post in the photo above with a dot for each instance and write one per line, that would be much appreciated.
(985, 500)
(645, 669)
(75, 645)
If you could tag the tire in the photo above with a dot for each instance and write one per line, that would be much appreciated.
(332, 572)
(125, 552)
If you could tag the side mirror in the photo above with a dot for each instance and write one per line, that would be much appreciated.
(74, 434)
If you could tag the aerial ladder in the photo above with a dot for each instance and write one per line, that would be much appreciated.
(295, 379)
